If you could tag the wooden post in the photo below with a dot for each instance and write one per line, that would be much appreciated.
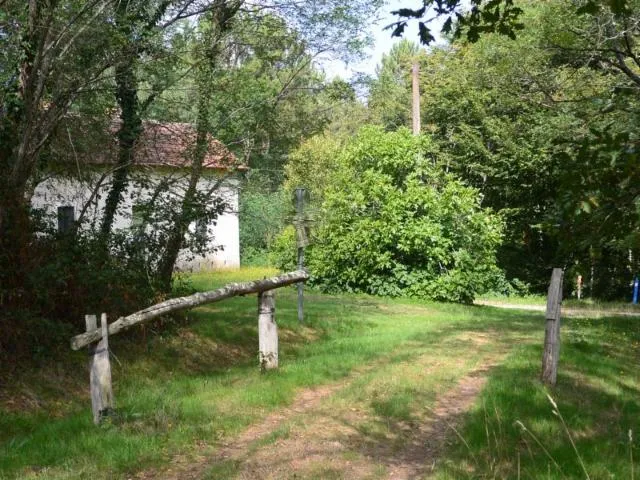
(415, 108)
(267, 331)
(100, 370)
(579, 285)
(551, 352)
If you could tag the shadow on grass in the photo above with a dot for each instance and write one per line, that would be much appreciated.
(202, 381)
(178, 388)
(597, 395)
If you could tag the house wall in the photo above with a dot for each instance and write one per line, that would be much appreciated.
(56, 192)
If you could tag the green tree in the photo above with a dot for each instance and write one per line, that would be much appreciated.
(490, 105)
(263, 215)
(312, 165)
(390, 91)
(396, 224)
(53, 53)
(548, 138)
(257, 87)
(476, 18)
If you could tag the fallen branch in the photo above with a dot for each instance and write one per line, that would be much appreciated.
(182, 303)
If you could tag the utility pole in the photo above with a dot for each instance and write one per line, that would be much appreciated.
(416, 98)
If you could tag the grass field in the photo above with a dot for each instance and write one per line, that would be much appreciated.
(368, 388)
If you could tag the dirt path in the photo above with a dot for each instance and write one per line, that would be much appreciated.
(429, 441)
(326, 445)
(571, 312)
(315, 438)
(307, 400)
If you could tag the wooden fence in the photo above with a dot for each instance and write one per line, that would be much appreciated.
(551, 353)
(97, 338)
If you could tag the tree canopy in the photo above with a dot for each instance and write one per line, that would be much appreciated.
(78, 78)
(396, 224)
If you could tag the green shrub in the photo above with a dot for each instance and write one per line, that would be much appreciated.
(283, 252)
(262, 213)
(254, 257)
(394, 223)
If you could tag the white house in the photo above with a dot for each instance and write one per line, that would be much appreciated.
(162, 154)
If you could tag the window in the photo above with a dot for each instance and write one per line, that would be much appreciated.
(66, 218)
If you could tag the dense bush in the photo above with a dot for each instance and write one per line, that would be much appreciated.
(263, 211)
(284, 251)
(310, 163)
(79, 272)
(394, 223)
(71, 276)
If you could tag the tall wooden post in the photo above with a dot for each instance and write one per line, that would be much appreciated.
(551, 352)
(99, 370)
(579, 285)
(267, 331)
(415, 110)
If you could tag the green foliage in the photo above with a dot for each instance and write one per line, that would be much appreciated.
(598, 208)
(266, 93)
(547, 134)
(395, 224)
(498, 143)
(311, 166)
(246, 76)
(390, 91)
(283, 252)
(71, 275)
(262, 215)
(479, 18)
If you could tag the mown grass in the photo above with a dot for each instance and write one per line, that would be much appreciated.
(198, 385)
(514, 300)
(591, 304)
(185, 391)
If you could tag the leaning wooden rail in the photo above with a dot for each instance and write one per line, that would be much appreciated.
(174, 304)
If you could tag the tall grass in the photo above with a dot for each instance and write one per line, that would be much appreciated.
(579, 429)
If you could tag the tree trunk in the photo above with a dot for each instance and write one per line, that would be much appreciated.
(18, 119)
(15, 239)
(183, 303)
(185, 215)
(131, 126)
(221, 16)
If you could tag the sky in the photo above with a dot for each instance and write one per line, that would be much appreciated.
(382, 41)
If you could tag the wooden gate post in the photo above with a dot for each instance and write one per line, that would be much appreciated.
(267, 331)
(551, 352)
(100, 370)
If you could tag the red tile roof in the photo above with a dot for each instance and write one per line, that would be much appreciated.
(171, 145)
